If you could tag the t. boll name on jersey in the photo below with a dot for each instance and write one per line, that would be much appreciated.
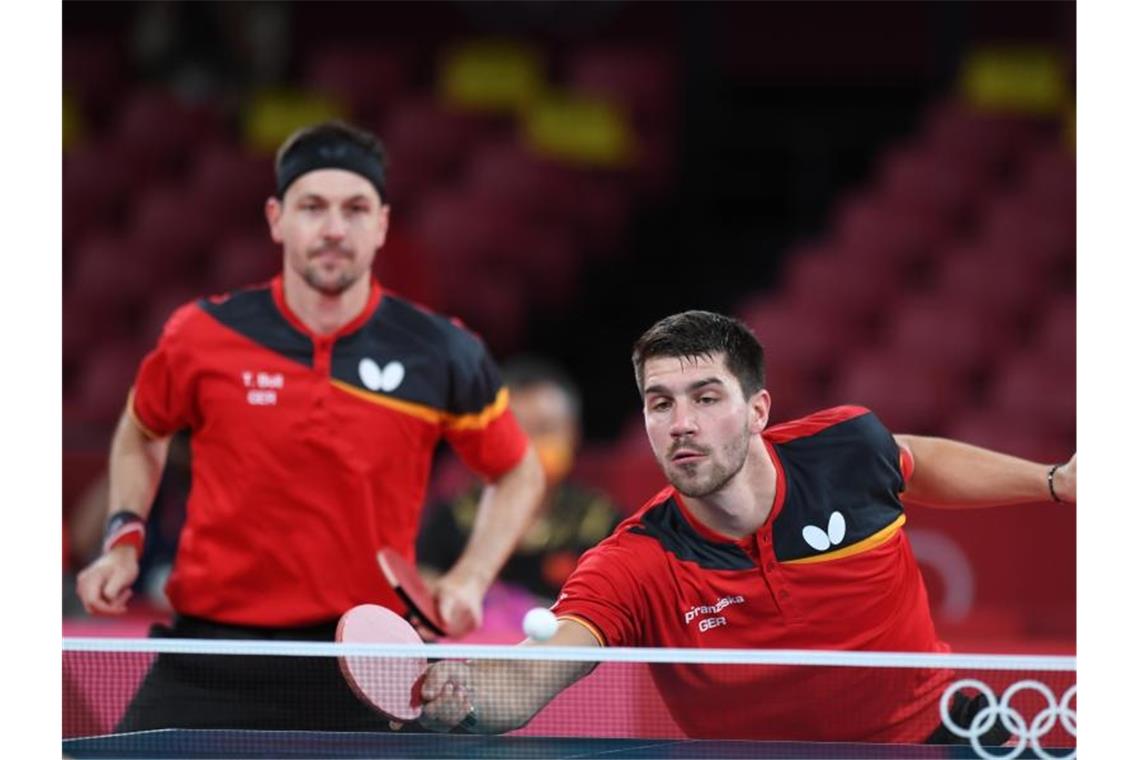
(261, 387)
(703, 609)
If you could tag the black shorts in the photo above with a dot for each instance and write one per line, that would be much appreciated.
(246, 691)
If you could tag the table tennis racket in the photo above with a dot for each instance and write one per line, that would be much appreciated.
(410, 587)
(390, 685)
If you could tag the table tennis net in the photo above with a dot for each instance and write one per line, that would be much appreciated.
(1021, 706)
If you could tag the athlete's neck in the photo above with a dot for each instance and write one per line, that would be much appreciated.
(742, 505)
(322, 313)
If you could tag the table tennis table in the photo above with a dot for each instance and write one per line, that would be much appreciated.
(199, 743)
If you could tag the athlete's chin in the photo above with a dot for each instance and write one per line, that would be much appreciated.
(693, 487)
(329, 284)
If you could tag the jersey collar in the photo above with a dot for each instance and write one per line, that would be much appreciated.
(375, 294)
(709, 534)
(781, 483)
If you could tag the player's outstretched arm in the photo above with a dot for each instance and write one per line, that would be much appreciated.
(496, 696)
(953, 474)
(135, 469)
(505, 512)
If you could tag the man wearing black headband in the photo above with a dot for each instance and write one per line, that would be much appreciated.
(315, 403)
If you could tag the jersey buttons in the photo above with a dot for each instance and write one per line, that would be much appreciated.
(322, 355)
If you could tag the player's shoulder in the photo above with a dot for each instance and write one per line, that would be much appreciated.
(629, 540)
(236, 308)
(182, 317)
(839, 422)
(186, 319)
(426, 327)
(251, 311)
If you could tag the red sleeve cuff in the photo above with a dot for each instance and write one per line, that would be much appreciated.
(149, 430)
(492, 450)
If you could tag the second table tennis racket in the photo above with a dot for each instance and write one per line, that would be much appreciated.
(390, 685)
(410, 587)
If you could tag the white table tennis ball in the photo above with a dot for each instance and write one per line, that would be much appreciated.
(540, 624)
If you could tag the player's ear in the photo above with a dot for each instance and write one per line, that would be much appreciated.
(759, 407)
(383, 227)
(273, 217)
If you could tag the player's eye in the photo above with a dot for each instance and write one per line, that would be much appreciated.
(660, 405)
(707, 399)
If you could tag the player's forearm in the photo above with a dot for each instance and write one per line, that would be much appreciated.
(508, 693)
(506, 510)
(496, 696)
(135, 468)
(952, 474)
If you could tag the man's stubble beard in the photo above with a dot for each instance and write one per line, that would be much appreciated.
(720, 475)
(343, 282)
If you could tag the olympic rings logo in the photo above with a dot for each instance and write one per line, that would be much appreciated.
(1013, 721)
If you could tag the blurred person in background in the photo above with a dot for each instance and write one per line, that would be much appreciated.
(571, 519)
(211, 49)
(314, 404)
(788, 537)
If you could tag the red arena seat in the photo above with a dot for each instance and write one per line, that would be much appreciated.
(366, 78)
(230, 185)
(1037, 391)
(907, 396)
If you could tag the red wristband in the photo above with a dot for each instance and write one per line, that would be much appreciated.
(124, 527)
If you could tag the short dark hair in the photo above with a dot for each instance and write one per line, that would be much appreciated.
(334, 130)
(523, 372)
(693, 334)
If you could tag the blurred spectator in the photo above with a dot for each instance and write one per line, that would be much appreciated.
(571, 519)
(205, 49)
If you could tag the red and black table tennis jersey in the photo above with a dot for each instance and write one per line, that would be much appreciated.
(830, 568)
(310, 453)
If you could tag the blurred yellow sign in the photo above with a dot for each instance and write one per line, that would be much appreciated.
(273, 115)
(1030, 80)
(490, 75)
(581, 129)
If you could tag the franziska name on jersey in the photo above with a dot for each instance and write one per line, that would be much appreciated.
(714, 620)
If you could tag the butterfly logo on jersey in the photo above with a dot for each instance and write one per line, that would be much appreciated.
(821, 540)
(387, 379)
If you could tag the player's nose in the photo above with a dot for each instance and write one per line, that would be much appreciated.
(683, 423)
(334, 227)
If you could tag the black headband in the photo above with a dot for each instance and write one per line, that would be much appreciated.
(329, 153)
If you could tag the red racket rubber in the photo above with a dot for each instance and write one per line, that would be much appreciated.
(390, 685)
(410, 587)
